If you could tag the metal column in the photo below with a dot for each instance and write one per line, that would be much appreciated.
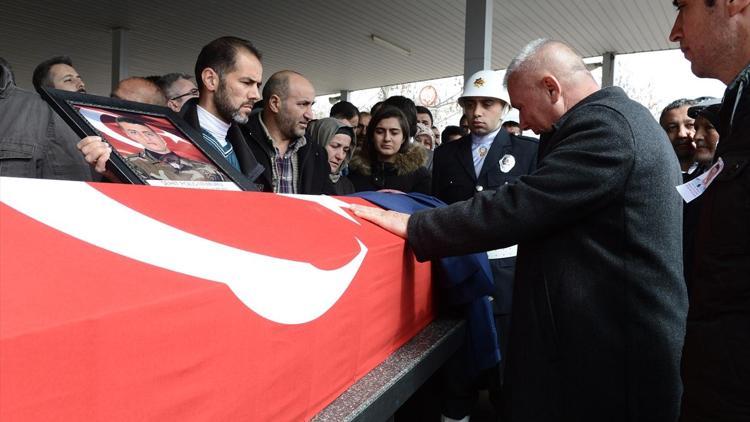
(478, 36)
(119, 55)
(608, 69)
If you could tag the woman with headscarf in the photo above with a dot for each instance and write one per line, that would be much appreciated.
(389, 160)
(426, 138)
(338, 140)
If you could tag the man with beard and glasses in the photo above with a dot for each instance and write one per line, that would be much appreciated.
(228, 73)
(58, 73)
(276, 135)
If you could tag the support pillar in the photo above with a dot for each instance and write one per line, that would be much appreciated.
(478, 36)
(608, 69)
(119, 55)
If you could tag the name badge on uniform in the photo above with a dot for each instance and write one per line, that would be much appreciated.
(507, 162)
(697, 186)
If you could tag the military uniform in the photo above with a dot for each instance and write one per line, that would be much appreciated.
(170, 166)
(461, 169)
(454, 179)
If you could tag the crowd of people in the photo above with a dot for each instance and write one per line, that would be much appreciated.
(615, 298)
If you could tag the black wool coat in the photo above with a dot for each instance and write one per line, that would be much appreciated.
(454, 179)
(600, 303)
(453, 175)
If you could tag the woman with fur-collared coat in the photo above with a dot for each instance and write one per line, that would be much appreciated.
(388, 160)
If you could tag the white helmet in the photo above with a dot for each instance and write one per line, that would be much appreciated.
(486, 83)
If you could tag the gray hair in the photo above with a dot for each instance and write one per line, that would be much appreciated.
(682, 102)
(523, 56)
(167, 83)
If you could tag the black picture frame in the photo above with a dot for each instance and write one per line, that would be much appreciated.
(71, 106)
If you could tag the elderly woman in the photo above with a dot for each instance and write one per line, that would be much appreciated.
(338, 140)
(388, 160)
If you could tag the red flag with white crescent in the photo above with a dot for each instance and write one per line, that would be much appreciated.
(121, 302)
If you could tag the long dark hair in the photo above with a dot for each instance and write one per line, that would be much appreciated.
(385, 112)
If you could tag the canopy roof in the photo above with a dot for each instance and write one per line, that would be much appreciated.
(328, 41)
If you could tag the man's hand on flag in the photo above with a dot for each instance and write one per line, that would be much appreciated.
(394, 222)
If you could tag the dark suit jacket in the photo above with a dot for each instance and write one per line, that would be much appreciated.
(311, 158)
(600, 303)
(454, 179)
(249, 165)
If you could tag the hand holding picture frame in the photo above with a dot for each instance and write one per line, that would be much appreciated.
(150, 144)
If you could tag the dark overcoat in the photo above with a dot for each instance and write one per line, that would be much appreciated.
(600, 302)
(717, 345)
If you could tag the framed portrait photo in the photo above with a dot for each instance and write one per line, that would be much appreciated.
(151, 145)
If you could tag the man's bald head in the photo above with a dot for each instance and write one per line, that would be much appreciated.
(545, 80)
(288, 97)
(140, 90)
(549, 56)
(278, 83)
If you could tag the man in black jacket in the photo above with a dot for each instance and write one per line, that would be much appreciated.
(276, 136)
(715, 36)
(599, 302)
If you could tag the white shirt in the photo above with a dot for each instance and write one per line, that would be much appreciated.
(214, 125)
(480, 147)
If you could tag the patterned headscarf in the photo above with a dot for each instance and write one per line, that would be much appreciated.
(322, 132)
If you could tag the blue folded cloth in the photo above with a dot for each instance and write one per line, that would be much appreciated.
(465, 282)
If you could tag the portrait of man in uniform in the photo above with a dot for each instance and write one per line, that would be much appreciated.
(157, 161)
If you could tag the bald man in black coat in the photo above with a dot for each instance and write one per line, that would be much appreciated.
(600, 303)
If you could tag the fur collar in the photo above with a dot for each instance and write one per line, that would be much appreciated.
(407, 162)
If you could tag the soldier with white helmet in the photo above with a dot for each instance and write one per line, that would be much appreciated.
(487, 158)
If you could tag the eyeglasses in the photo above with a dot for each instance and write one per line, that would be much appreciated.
(193, 93)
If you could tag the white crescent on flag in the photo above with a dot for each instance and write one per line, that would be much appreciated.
(283, 291)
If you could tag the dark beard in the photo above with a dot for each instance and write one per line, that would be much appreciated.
(224, 106)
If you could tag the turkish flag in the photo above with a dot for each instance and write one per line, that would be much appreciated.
(122, 302)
